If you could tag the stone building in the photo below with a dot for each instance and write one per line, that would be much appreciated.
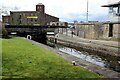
(59, 24)
(98, 30)
(114, 10)
(6, 19)
(38, 17)
(86, 30)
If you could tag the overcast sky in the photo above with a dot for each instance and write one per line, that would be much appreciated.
(66, 10)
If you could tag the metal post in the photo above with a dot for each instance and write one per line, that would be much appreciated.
(118, 9)
(62, 30)
(87, 12)
(72, 32)
(58, 30)
(66, 31)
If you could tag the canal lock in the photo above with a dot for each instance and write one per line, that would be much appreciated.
(97, 58)
(93, 57)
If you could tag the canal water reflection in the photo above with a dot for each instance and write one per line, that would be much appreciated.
(97, 58)
(83, 55)
(108, 62)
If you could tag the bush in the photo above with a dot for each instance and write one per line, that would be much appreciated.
(4, 32)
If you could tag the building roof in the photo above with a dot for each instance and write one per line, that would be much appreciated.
(6, 16)
(51, 15)
(29, 12)
(40, 4)
(23, 11)
(112, 5)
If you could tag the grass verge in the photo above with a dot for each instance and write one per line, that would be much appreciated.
(22, 59)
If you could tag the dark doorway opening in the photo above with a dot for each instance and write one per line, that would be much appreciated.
(110, 30)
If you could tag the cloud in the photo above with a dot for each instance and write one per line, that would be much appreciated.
(67, 10)
(76, 10)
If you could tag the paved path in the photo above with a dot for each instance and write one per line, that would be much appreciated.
(78, 39)
(106, 47)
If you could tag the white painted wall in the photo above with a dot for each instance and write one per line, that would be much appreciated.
(113, 1)
(112, 16)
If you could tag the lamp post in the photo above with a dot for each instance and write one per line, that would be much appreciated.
(87, 12)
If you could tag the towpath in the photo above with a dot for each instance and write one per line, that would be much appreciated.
(110, 47)
(94, 68)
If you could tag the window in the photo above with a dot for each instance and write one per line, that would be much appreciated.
(57, 24)
(7, 20)
(37, 7)
(119, 9)
(32, 14)
(23, 14)
(110, 9)
(12, 18)
(20, 16)
(31, 19)
(115, 10)
(27, 14)
(20, 22)
(35, 20)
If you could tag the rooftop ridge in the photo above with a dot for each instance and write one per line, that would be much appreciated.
(40, 4)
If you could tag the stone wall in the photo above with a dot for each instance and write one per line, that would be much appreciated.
(6, 19)
(88, 30)
(97, 30)
(49, 18)
(28, 18)
(115, 30)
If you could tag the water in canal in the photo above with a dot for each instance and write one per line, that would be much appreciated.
(103, 61)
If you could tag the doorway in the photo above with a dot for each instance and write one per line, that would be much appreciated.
(110, 30)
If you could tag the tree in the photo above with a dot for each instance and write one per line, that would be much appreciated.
(4, 32)
(4, 10)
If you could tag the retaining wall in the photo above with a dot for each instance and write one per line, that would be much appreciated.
(97, 30)
(91, 47)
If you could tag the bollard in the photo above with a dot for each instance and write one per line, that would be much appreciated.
(55, 40)
(74, 63)
(29, 37)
